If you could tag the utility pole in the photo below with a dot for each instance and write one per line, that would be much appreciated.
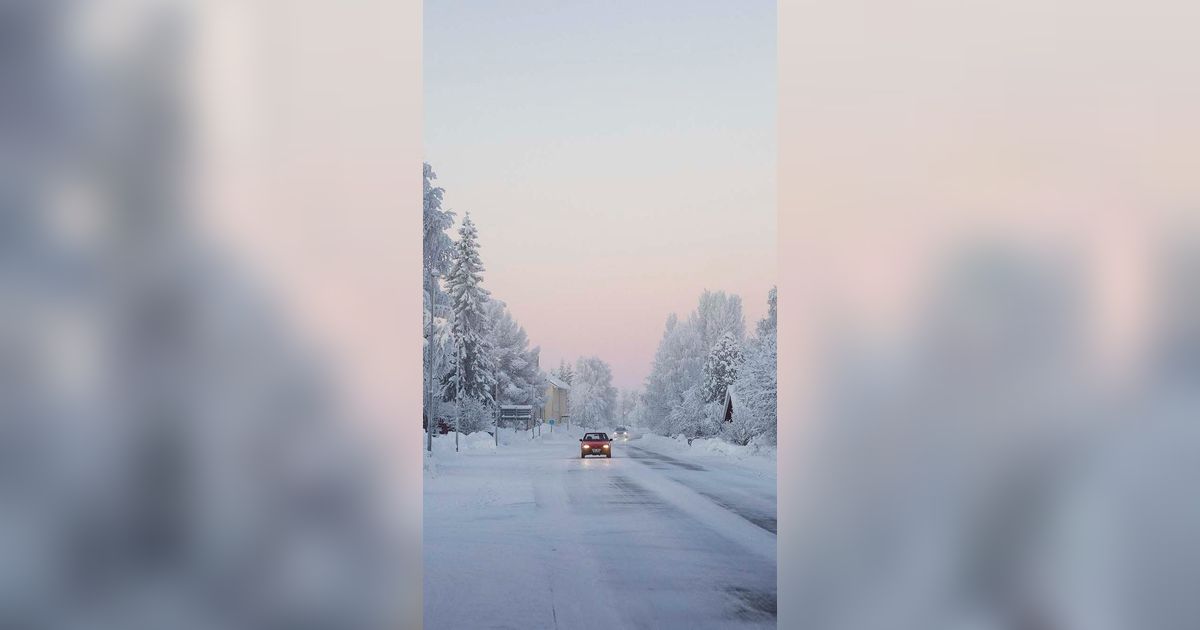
(458, 390)
(431, 356)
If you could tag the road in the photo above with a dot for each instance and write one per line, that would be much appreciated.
(531, 536)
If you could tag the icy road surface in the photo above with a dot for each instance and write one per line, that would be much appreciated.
(530, 536)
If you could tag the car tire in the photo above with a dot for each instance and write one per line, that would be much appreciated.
(609, 456)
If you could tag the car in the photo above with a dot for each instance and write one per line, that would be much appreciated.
(595, 444)
(621, 433)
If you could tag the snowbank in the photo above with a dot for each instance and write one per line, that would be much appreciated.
(663, 443)
(717, 446)
(712, 447)
(479, 442)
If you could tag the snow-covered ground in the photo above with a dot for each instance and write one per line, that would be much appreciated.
(528, 535)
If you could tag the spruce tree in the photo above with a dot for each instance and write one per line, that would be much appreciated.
(471, 374)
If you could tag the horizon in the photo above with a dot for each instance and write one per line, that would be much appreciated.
(618, 160)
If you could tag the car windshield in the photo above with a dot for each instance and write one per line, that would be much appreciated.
(595, 436)
(620, 429)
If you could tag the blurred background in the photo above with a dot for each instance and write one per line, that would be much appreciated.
(210, 318)
(988, 214)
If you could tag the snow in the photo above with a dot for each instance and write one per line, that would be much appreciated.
(479, 441)
(753, 456)
(528, 535)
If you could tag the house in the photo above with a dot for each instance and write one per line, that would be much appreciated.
(727, 407)
(558, 402)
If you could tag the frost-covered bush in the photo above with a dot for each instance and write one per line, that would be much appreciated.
(476, 416)
(742, 430)
(695, 417)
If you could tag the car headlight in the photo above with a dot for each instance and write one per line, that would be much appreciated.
(605, 446)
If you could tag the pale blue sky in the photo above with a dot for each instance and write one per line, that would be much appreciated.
(618, 156)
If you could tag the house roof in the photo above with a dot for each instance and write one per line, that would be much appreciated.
(730, 401)
(555, 381)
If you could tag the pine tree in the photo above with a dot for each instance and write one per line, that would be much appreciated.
(720, 370)
(471, 374)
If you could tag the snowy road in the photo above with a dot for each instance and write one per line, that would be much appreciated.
(531, 536)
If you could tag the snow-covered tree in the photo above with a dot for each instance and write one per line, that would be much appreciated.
(679, 361)
(637, 415)
(718, 313)
(627, 402)
(564, 372)
(720, 370)
(436, 244)
(476, 416)
(472, 371)
(769, 323)
(756, 392)
(694, 416)
(658, 398)
(755, 385)
(437, 249)
(519, 382)
(678, 366)
(593, 397)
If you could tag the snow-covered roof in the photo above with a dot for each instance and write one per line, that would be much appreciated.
(730, 401)
(557, 382)
(521, 407)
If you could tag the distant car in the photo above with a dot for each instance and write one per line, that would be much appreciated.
(621, 433)
(595, 444)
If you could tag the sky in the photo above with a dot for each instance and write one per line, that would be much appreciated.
(617, 156)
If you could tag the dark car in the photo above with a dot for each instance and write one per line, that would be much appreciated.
(595, 444)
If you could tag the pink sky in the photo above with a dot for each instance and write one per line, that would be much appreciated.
(618, 158)
(586, 276)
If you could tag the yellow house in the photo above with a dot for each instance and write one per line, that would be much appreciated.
(558, 402)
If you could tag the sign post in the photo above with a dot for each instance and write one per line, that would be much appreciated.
(514, 414)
